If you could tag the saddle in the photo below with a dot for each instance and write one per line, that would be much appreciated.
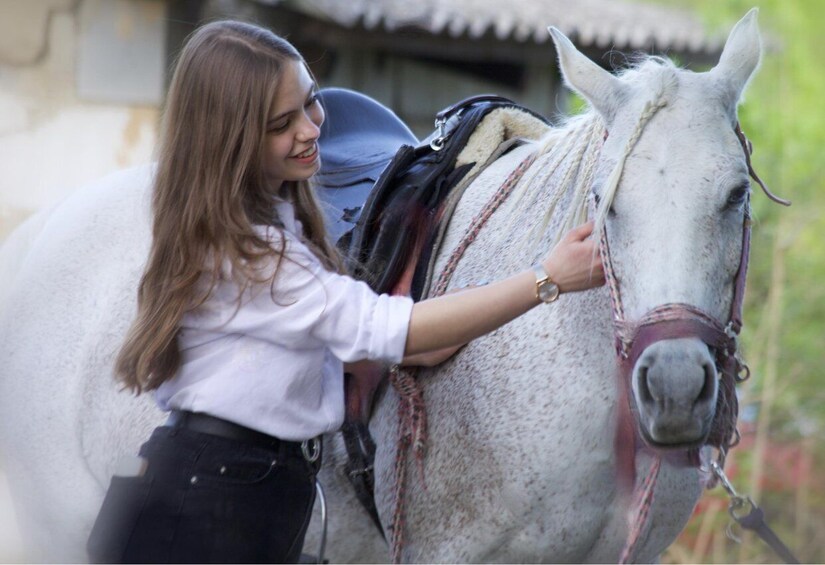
(358, 139)
(388, 199)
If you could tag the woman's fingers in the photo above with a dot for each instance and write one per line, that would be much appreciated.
(575, 263)
(580, 233)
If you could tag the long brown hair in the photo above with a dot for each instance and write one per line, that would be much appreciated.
(210, 188)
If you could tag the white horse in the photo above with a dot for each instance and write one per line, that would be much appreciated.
(521, 463)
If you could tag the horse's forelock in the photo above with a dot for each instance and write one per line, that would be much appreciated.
(652, 73)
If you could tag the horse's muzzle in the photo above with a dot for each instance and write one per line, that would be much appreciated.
(674, 385)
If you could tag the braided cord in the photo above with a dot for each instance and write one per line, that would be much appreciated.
(639, 522)
(478, 222)
(412, 414)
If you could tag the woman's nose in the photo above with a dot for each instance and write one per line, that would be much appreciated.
(309, 130)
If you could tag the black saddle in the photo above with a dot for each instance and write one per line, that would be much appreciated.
(358, 139)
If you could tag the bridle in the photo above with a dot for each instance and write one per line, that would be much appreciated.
(680, 320)
(672, 321)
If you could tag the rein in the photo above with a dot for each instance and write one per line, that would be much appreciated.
(412, 417)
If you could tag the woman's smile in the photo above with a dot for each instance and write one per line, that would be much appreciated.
(308, 156)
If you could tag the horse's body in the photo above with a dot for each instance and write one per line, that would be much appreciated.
(521, 461)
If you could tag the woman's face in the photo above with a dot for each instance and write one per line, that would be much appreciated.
(291, 151)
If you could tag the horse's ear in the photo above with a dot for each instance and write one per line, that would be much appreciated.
(739, 59)
(601, 89)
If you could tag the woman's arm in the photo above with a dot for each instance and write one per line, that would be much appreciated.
(430, 358)
(452, 320)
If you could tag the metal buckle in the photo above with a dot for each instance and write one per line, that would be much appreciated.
(311, 449)
(737, 501)
(437, 144)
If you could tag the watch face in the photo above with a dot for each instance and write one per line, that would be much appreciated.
(548, 292)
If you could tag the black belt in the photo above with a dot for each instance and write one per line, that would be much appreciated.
(206, 424)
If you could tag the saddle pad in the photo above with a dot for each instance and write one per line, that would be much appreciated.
(499, 132)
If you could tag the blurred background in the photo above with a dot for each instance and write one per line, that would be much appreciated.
(81, 91)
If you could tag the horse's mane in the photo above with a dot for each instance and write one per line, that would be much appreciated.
(571, 151)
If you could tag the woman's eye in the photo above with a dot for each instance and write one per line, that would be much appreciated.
(278, 128)
(313, 100)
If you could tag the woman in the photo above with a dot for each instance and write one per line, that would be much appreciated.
(244, 319)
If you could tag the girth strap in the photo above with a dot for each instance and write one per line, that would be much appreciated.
(359, 468)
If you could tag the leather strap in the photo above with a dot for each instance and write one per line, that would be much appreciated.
(747, 147)
(461, 104)
(755, 522)
(359, 468)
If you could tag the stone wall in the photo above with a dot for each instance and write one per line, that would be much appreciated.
(81, 83)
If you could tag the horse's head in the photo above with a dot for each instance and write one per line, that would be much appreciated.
(672, 191)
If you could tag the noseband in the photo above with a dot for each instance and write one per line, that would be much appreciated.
(680, 320)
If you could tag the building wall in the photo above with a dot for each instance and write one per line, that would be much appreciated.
(80, 87)
(416, 89)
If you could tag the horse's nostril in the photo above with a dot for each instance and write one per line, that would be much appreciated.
(708, 387)
(644, 389)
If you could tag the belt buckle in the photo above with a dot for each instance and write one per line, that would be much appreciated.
(311, 449)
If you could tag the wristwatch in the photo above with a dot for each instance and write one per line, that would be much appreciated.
(546, 290)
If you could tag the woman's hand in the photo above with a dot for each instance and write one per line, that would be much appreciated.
(575, 264)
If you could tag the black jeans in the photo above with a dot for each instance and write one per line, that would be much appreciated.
(207, 499)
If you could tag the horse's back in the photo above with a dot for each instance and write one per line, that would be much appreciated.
(66, 311)
(15, 249)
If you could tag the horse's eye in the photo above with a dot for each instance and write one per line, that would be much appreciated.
(738, 195)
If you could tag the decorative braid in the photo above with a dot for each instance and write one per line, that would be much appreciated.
(412, 414)
(622, 348)
(478, 222)
(404, 440)
(582, 168)
(582, 139)
(612, 184)
(594, 149)
(642, 511)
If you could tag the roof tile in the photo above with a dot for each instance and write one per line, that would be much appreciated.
(619, 24)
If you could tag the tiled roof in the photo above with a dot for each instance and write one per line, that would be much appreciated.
(600, 23)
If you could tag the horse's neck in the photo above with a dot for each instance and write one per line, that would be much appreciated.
(549, 198)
